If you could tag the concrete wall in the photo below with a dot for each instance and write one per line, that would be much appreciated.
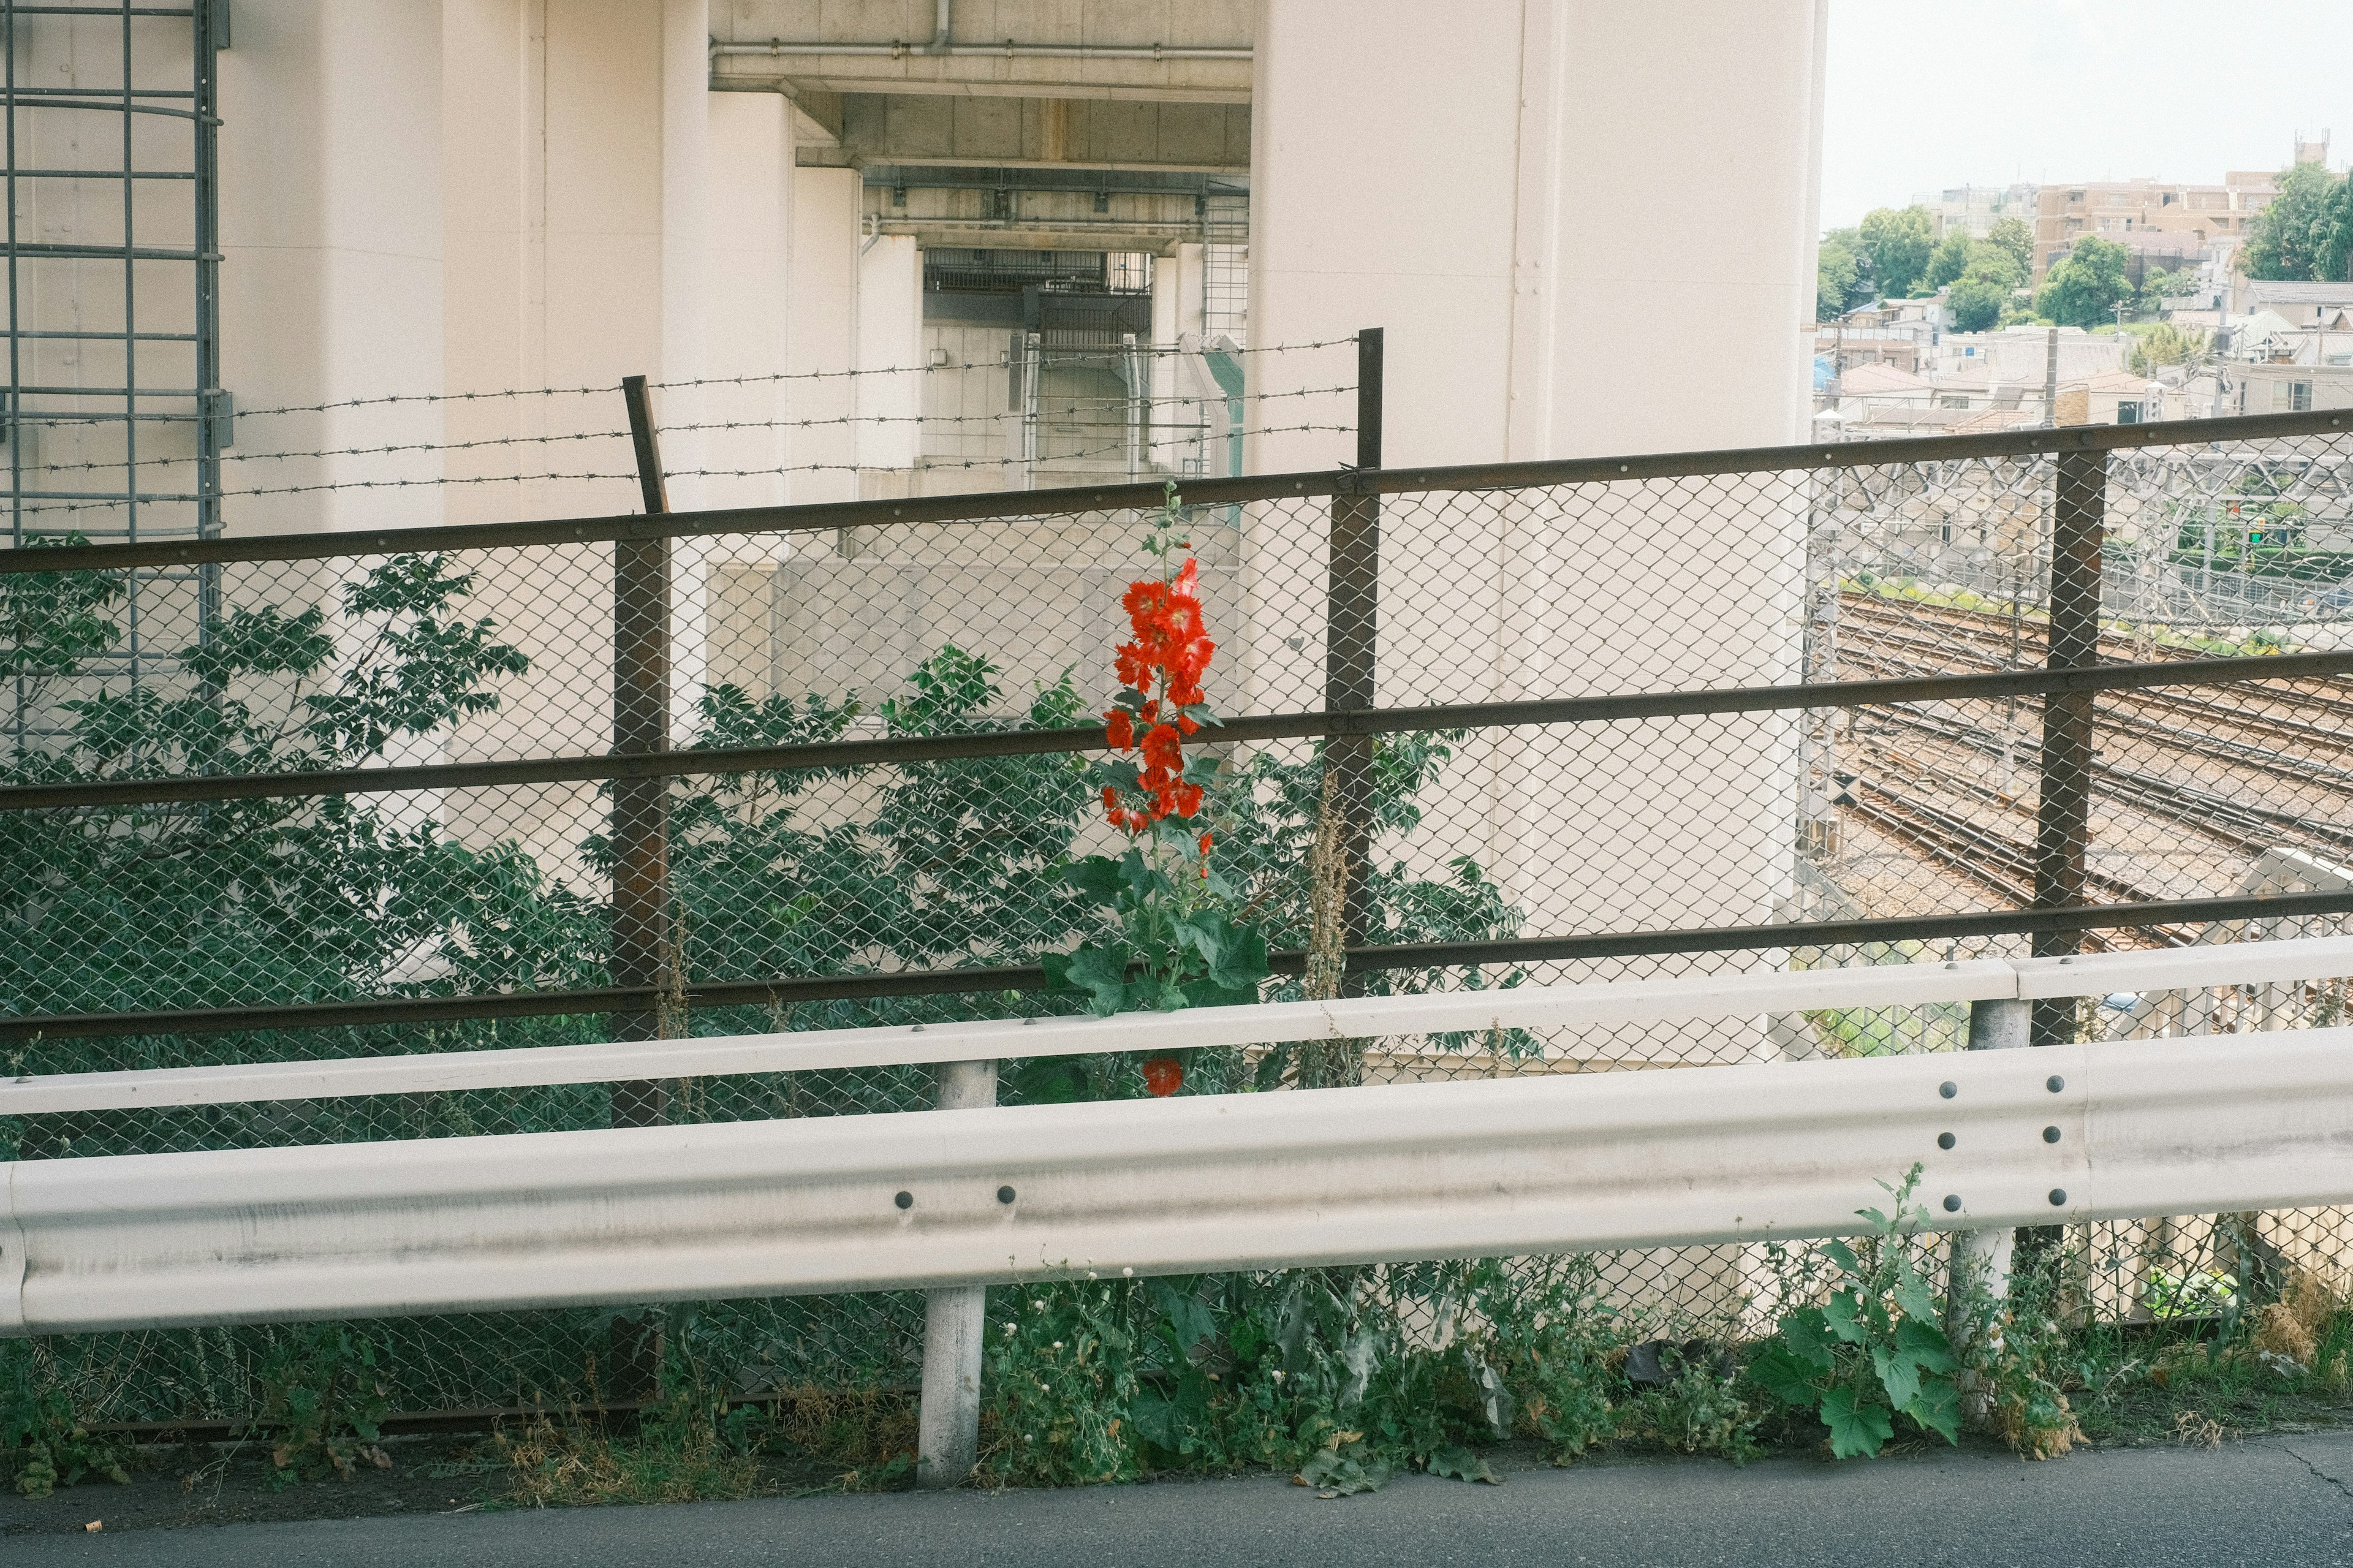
(1518, 329)
(331, 236)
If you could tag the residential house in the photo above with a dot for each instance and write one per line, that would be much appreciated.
(2298, 304)
(2287, 387)
(2116, 397)
(2020, 355)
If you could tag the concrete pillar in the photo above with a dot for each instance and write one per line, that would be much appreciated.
(1593, 158)
(888, 391)
(822, 336)
(331, 221)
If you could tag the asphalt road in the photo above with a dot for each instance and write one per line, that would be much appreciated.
(2275, 1501)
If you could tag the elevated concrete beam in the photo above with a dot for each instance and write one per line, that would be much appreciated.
(978, 64)
(966, 75)
(1033, 132)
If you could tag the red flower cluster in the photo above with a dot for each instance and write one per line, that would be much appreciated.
(1163, 1076)
(1162, 663)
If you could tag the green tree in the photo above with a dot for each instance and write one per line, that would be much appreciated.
(2081, 290)
(2014, 236)
(1994, 264)
(1900, 243)
(2305, 235)
(2333, 254)
(2170, 344)
(2158, 287)
(1976, 304)
(1949, 259)
(1843, 275)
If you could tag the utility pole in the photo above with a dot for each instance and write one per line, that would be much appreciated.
(2051, 380)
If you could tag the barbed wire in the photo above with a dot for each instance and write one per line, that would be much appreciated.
(1042, 460)
(922, 462)
(1151, 349)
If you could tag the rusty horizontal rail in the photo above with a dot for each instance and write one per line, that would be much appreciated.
(836, 755)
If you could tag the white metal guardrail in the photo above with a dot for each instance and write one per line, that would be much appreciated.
(951, 1200)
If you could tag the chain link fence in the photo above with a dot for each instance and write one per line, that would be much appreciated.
(1568, 707)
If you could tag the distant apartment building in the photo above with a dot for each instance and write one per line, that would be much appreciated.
(1975, 209)
(2166, 226)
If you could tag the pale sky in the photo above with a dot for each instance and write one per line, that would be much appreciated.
(1924, 94)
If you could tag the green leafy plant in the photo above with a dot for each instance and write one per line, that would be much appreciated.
(43, 1439)
(1345, 1376)
(325, 1393)
(1178, 943)
(1871, 1351)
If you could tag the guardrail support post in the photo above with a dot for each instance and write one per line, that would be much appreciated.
(1980, 1258)
(2064, 810)
(640, 822)
(1352, 643)
(948, 1425)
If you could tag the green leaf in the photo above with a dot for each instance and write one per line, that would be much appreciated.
(1097, 874)
(1858, 1430)
(1242, 962)
(1841, 1314)
(1100, 972)
(1843, 1255)
(1917, 1300)
(1937, 1407)
(1785, 1376)
(1335, 1474)
(1186, 1317)
(1154, 1420)
(1926, 1344)
(1899, 1374)
(1460, 1464)
(1808, 1336)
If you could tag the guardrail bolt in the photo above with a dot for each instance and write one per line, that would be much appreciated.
(1945, 1140)
(1005, 1195)
(2054, 1083)
(2051, 1135)
(1952, 1203)
(2058, 1197)
(905, 1200)
(1948, 1089)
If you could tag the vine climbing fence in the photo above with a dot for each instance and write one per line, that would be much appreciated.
(760, 768)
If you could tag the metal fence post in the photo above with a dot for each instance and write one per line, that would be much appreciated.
(2064, 810)
(1980, 1258)
(1351, 644)
(947, 1424)
(640, 823)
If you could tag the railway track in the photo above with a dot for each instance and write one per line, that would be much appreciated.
(2302, 769)
(1989, 638)
(2250, 829)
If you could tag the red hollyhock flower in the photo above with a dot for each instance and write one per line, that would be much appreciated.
(1163, 1076)
(1161, 665)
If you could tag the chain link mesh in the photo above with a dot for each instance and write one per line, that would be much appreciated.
(933, 629)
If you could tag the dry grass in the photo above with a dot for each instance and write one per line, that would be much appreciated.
(2295, 1325)
(865, 1438)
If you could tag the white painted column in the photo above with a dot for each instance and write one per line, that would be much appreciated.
(1591, 161)
(889, 392)
(822, 331)
(331, 221)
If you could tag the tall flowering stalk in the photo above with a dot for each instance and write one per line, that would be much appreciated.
(1176, 945)
(1160, 702)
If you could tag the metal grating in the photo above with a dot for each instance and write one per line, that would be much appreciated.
(112, 413)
